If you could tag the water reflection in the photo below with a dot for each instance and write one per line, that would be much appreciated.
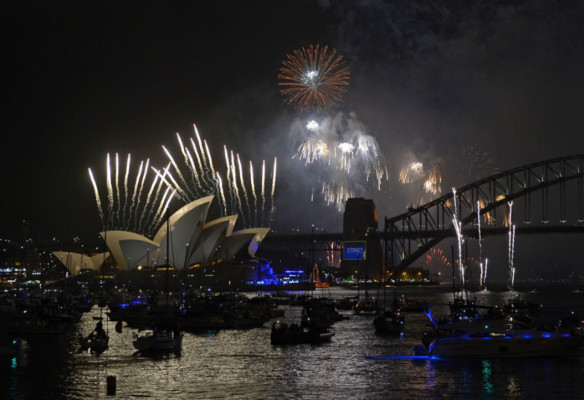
(487, 385)
(357, 363)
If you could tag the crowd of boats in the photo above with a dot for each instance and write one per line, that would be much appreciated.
(160, 319)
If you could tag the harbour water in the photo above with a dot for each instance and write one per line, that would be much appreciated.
(242, 364)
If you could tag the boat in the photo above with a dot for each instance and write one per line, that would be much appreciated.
(283, 333)
(366, 305)
(96, 342)
(496, 339)
(158, 341)
(390, 321)
(347, 303)
(164, 336)
(321, 313)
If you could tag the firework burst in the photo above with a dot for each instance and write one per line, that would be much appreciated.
(313, 78)
(340, 154)
(424, 183)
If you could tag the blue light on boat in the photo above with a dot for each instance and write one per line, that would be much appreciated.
(403, 357)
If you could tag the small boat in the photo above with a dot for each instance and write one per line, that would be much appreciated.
(158, 341)
(347, 303)
(283, 333)
(390, 321)
(367, 305)
(496, 339)
(96, 342)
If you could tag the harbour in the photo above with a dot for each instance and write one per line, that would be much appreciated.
(242, 364)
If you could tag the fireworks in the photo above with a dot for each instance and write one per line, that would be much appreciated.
(469, 163)
(313, 77)
(438, 256)
(200, 178)
(129, 205)
(414, 169)
(340, 154)
(424, 184)
(187, 179)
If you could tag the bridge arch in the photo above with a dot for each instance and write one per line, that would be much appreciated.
(538, 192)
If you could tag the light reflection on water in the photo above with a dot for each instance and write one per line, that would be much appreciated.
(243, 365)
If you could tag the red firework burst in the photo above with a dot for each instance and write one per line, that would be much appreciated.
(313, 77)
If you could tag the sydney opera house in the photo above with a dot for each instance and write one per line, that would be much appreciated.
(185, 242)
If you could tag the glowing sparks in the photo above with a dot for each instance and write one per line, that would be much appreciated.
(97, 199)
(511, 244)
(186, 179)
(231, 186)
(414, 169)
(458, 230)
(424, 182)
(313, 77)
(341, 154)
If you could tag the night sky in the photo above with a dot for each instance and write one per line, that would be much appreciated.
(428, 80)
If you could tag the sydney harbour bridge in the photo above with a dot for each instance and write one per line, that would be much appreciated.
(542, 197)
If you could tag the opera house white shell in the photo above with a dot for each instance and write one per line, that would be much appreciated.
(192, 240)
(76, 262)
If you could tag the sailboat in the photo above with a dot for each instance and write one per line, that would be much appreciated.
(98, 340)
(165, 336)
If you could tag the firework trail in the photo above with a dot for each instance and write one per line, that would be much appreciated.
(228, 177)
(458, 229)
(191, 164)
(164, 204)
(481, 276)
(125, 205)
(245, 196)
(135, 191)
(98, 201)
(510, 242)
(513, 257)
(158, 182)
(220, 184)
(110, 196)
(183, 150)
(199, 162)
(117, 187)
(253, 191)
(313, 77)
(210, 159)
(209, 169)
(147, 204)
(263, 187)
(485, 276)
(172, 182)
(183, 193)
(273, 210)
(141, 187)
(236, 189)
